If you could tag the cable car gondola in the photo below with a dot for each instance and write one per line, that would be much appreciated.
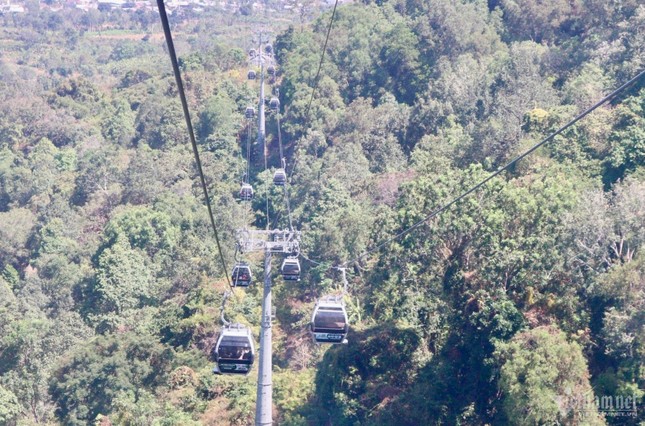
(271, 70)
(235, 351)
(268, 48)
(251, 75)
(241, 275)
(246, 192)
(249, 112)
(329, 322)
(252, 53)
(280, 177)
(274, 103)
(290, 269)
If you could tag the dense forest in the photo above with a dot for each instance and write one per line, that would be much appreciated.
(512, 307)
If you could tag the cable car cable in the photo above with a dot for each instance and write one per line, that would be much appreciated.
(322, 58)
(474, 188)
(266, 189)
(438, 211)
(317, 78)
(277, 118)
(191, 132)
(244, 166)
(283, 163)
(343, 272)
(227, 294)
(266, 165)
(286, 199)
(315, 262)
(445, 207)
(247, 174)
(247, 170)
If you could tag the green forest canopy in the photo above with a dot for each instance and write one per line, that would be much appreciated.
(504, 310)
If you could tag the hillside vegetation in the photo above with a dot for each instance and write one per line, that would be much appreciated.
(509, 308)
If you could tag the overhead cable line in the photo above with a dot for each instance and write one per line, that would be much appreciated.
(322, 59)
(277, 118)
(191, 132)
(246, 178)
(247, 172)
(454, 201)
(265, 146)
(479, 185)
(317, 78)
(283, 163)
(266, 187)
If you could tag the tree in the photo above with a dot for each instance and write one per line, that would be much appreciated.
(363, 381)
(519, 88)
(9, 406)
(160, 123)
(98, 179)
(627, 140)
(30, 346)
(381, 138)
(123, 281)
(218, 120)
(530, 19)
(143, 228)
(544, 379)
(16, 228)
(118, 122)
(606, 228)
(337, 227)
(101, 372)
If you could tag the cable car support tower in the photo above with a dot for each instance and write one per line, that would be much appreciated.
(269, 241)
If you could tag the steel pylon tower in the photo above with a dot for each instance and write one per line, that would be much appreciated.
(269, 241)
(264, 403)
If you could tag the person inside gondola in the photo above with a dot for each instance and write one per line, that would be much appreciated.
(226, 352)
(330, 320)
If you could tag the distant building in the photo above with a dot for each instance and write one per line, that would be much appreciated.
(111, 4)
(9, 8)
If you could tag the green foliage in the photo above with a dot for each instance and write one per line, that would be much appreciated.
(98, 178)
(107, 372)
(363, 381)
(337, 225)
(144, 228)
(543, 378)
(622, 332)
(628, 138)
(16, 227)
(9, 406)
(118, 124)
(30, 345)
(528, 19)
(160, 123)
(10, 275)
(127, 50)
(293, 390)
(606, 228)
(218, 124)
(66, 160)
(55, 238)
(109, 284)
(123, 281)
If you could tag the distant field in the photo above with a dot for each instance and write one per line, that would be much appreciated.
(123, 35)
